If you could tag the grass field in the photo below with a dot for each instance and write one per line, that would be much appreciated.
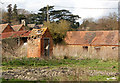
(85, 64)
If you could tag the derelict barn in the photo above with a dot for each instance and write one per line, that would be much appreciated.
(39, 43)
(16, 31)
(102, 44)
(20, 27)
(6, 28)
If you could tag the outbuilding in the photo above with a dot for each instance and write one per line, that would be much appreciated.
(39, 43)
(6, 28)
(101, 44)
(20, 27)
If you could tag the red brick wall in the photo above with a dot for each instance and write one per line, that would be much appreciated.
(47, 35)
(36, 46)
(33, 48)
(8, 29)
(22, 28)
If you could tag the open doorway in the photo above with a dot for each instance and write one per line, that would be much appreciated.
(46, 46)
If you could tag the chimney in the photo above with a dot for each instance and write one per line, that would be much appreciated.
(23, 22)
(87, 28)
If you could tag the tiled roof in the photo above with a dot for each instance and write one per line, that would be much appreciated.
(92, 37)
(15, 34)
(31, 25)
(36, 32)
(2, 27)
(17, 27)
(41, 25)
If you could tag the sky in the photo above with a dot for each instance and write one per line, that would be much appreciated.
(84, 8)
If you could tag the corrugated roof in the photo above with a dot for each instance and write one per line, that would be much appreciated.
(92, 37)
(2, 27)
(15, 34)
(17, 27)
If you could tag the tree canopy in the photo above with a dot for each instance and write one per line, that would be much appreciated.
(54, 16)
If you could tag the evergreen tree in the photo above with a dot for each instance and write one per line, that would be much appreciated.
(15, 13)
(54, 16)
(15, 19)
(9, 14)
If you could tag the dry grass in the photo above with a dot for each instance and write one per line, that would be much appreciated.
(21, 51)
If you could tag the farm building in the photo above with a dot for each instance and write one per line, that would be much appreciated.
(20, 27)
(12, 41)
(40, 43)
(6, 28)
(100, 44)
(20, 35)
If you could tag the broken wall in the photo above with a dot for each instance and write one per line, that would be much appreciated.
(93, 52)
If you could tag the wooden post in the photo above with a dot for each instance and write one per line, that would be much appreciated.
(18, 41)
(47, 13)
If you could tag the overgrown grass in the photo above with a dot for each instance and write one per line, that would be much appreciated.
(93, 64)
(96, 64)
(88, 64)
(101, 78)
(19, 81)
(38, 62)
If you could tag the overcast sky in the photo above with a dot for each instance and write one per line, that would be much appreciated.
(83, 8)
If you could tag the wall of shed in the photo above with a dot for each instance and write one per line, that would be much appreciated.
(105, 52)
(8, 29)
(47, 35)
(34, 47)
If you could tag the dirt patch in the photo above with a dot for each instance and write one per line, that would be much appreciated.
(48, 73)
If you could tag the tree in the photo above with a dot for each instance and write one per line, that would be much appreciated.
(21, 16)
(64, 15)
(15, 19)
(15, 13)
(58, 30)
(9, 14)
(3, 15)
(43, 12)
(54, 16)
(109, 22)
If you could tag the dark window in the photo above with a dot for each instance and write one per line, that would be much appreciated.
(113, 47)
(28, 37)
(97, 48)
(39, 31)
(34, 37)
(85, 48)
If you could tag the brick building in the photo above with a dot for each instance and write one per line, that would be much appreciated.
(40, 43)
(6, 28)
(20, 35)
(89, 43)
(20, 27)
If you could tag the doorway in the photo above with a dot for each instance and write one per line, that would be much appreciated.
(46, 46)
